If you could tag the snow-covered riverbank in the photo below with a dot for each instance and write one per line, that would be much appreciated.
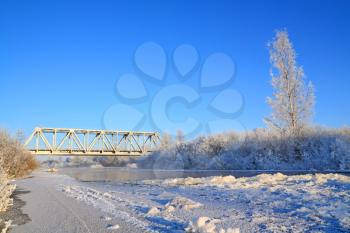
(46, 209)
(263, 203)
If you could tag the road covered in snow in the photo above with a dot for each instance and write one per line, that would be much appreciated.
(223, 204)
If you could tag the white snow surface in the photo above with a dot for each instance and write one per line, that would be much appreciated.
(224, 204)
(207, 225)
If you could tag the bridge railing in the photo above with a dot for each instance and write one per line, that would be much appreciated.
(64, 141)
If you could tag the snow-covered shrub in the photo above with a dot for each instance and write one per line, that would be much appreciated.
(16, 161)
(316, 148)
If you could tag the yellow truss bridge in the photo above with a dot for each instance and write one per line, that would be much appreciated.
(84, 142)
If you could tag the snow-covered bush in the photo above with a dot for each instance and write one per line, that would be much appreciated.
(16, 161)
(316, 148)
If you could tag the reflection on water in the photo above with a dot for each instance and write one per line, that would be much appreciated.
(123, 174)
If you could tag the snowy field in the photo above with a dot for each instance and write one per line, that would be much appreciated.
(224, 204)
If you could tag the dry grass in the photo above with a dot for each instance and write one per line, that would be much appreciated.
(15, 160)
(6, 190)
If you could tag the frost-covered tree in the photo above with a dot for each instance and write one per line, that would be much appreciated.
(180, 137)
(292, 102)
(166, 140)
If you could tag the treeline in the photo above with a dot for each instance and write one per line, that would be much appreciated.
(261, 149)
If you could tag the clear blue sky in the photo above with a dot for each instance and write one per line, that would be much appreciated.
(60, 60)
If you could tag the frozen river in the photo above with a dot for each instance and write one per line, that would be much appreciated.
(124, 174)
(214, 201)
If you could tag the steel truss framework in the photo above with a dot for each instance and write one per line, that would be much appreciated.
(83, 142)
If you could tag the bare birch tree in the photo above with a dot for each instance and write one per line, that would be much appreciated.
(292, 102)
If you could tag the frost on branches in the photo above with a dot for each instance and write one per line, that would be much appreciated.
(292, 102)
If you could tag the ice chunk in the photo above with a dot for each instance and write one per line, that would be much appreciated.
(113, 227)
(153, 211)
(202, 225)
(182, 203)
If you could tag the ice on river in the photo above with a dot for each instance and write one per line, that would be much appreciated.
(224, 204)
